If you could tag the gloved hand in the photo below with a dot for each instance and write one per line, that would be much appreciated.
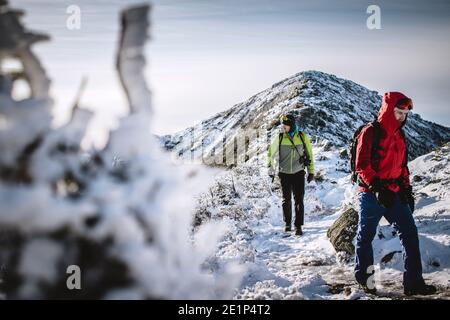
(310, 177)
(376, 185)
(386, 198)
(407, 196)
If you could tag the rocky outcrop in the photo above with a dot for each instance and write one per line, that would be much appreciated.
(343, 231)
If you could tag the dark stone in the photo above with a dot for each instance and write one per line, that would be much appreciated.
(92, 221)
(343, 154)
(343, 230)
(435, 264)
(389, 256)
(328, 145)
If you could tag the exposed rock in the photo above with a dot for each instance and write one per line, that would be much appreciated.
(343, 230)
(343, 154)
(388, 257)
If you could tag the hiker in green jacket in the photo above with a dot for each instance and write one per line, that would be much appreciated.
(294, 155)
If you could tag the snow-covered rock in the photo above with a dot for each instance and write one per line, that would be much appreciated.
(343, 231)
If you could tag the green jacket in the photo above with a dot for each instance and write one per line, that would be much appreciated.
(289, 159)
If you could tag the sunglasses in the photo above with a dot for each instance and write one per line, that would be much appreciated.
(405, 103)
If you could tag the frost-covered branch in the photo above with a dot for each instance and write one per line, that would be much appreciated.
(16, 42)
(122, 214)
(130, 57)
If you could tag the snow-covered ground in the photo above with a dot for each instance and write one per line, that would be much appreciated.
(284, 266)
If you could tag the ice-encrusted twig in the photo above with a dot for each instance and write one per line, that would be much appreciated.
(16, 42)
(130, 59)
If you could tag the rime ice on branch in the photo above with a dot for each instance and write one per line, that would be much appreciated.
(107, 211)
(130, 58)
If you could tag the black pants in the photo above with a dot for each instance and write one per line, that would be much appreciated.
(293, 184)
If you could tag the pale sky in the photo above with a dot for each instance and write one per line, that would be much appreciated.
(207, 55)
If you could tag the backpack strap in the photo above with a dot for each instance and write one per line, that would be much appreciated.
(405, 160)
(374, 156)
(353, 146)
(375, 144)
(280, 138)
(306, 154)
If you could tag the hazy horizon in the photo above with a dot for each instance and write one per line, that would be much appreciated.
(206, 56)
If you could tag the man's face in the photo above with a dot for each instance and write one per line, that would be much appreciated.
(285, 128)
(400, 114)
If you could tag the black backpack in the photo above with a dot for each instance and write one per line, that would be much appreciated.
(377, 132)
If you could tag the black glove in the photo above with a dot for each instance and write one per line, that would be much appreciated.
(407, 197)
(376, 185)
(310, 177)
(386, 198)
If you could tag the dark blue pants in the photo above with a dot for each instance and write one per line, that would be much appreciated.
(400, 216)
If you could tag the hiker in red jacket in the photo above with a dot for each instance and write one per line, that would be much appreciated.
(385, 190)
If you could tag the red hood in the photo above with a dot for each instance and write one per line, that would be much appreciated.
(386, 115)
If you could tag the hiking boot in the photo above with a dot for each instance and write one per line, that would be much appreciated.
(288, 228)
(423, 290)
(298, 231)
(366, 289)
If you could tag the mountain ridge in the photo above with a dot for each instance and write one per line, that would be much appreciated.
(329, 108)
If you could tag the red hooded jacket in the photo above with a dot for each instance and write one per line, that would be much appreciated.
(392, 145)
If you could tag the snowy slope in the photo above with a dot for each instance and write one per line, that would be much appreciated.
(307, 267)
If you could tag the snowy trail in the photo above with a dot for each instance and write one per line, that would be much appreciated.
(287, 266)
(307, 267)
